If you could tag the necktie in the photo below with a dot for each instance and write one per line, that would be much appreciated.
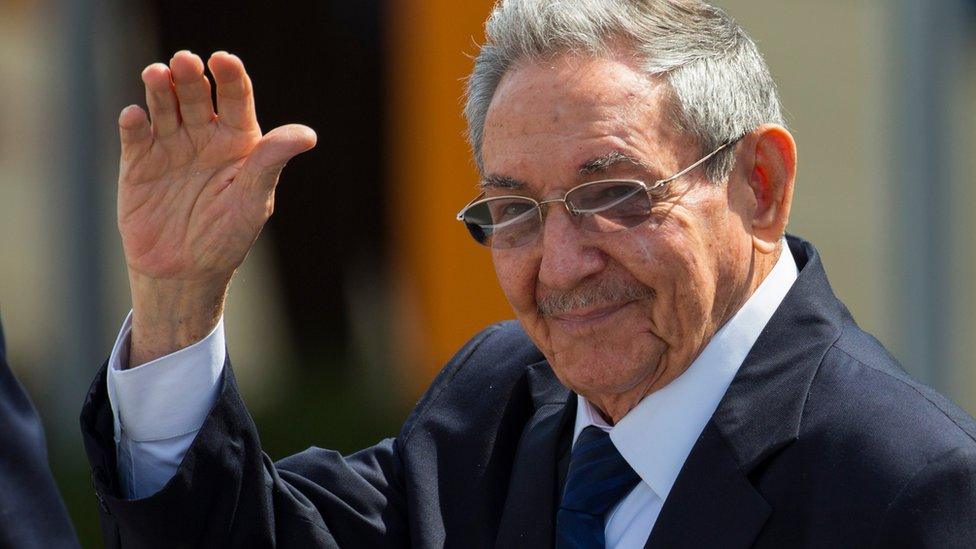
(598, 478)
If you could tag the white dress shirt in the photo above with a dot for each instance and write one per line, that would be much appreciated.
(160, 406)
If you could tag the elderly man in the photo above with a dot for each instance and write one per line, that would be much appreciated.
(680, 374)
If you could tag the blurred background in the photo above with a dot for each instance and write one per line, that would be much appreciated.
(363, 284)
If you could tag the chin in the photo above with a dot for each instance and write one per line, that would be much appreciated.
(611, 356)
(607, 367)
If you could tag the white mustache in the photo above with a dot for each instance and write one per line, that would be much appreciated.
(604, 292)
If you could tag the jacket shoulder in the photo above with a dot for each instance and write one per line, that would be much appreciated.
(487, 372)
(932, 409)
(863, 403)
(936, 507)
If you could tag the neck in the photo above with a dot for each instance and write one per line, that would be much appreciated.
(760, 265)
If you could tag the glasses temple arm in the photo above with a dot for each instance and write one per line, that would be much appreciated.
(693, 166)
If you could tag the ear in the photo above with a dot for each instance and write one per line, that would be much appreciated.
(771, 180)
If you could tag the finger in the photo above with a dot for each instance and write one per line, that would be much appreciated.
(235, 97)
(262, 168)
(134, 131)
(192, 89)
(163, 109)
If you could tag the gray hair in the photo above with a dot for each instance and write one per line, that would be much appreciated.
(719, 83)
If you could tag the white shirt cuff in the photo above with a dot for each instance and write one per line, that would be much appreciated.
(167, 397)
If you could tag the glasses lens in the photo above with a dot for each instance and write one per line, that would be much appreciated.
(504, 222)
(610, 206)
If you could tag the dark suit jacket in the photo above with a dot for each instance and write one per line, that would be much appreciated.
(822, 440)
(31, 512)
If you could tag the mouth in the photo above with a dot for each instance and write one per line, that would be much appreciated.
(583, 320)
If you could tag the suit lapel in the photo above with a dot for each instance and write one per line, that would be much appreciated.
(529, 512)
(713, 503)
(762, 410)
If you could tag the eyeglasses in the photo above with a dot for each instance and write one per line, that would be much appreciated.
(604, 206)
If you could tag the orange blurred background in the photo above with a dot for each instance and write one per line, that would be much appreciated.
(449, 292)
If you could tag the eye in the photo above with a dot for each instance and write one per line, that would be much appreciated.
(507, 210)
(598, 197)
(613, 192)
(516, 209)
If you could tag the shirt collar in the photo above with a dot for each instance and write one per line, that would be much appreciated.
(656, 437)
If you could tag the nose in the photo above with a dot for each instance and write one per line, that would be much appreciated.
(568, 253)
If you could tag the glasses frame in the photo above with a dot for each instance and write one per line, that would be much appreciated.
(654, 187)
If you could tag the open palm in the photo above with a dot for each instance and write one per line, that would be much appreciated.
(196, 187)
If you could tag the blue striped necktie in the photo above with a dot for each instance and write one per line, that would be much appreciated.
(598, 478)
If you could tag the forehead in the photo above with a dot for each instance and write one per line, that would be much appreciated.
(558, 113)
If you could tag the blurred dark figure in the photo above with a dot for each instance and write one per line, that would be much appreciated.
(31, 511)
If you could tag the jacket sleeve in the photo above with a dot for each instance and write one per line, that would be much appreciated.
(937, 508)
(226, 492)
(31, 512)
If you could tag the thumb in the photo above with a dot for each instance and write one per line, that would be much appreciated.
(263, 166)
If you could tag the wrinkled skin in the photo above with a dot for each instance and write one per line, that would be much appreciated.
(700, 254)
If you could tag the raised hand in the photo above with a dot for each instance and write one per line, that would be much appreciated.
(195, 189)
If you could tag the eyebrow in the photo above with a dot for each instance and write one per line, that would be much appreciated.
(596, 165)
(603, 163)
(501, 182)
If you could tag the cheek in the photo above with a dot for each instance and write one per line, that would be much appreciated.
(665, 252)
(673, 256)
(516, 276)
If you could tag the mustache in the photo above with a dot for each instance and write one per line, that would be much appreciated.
(603, 292)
